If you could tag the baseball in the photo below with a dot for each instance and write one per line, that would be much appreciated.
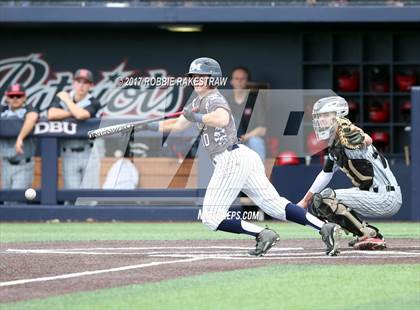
(30, 194)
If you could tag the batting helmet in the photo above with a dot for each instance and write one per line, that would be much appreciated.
(405, 81)
(379, 112)
(380, 138)
(379, 80)
(205, 66)
(348, 81)
(287, 158)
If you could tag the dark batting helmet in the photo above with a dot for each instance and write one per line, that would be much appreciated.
(379, 112)
(348, 81)
(380, 138)
(379, 80)
(205, 66)
(405, 80)
(287, 158)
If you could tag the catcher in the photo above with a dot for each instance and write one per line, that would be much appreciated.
(375, 193)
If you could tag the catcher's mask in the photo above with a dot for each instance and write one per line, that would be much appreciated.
(325, 114)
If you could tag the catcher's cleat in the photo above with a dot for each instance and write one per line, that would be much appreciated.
(353, 241)
(266, 239)
(357, 240)
(370, 244)
(330, 234)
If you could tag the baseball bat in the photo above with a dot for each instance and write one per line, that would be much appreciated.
(126, 127)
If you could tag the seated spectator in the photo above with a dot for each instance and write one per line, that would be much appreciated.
(18, 164)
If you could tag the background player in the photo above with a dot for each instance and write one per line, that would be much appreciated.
(236, 167)
(241, 103)
(18, 165)
(78, 104)
(376, 192)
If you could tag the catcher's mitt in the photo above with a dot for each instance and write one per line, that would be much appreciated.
(349, 135)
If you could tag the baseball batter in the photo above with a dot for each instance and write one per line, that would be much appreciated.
(237, 167)
(375, 193)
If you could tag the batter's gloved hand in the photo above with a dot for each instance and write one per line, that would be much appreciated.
(189, 113)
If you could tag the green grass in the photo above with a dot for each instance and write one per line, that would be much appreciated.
(164, 231)
(350, 287)
(383, 287)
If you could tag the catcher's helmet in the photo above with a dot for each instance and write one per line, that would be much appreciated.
(287, 158)
(205, 66)
(334, 106)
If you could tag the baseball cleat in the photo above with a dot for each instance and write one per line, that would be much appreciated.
(266, 239)
(370, 244)
(353, 241)
(330, 234)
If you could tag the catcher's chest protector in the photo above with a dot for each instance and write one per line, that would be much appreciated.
(359, 171)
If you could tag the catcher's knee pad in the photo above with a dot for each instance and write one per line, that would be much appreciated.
(327, 207)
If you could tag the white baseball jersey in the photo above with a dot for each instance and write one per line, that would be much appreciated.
(237, 168)
(382, 198)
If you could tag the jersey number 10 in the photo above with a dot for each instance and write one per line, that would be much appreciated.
(205, 139)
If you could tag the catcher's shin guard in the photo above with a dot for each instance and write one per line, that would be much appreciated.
(326, 206)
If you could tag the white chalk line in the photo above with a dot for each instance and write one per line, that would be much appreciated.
(299, 258)
(87, 251)
(194, 256)
(238, 250)
(94, 272)
(167, 248)
(352, 253)
(271, 255)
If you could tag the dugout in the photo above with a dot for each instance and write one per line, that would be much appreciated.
(287, 45)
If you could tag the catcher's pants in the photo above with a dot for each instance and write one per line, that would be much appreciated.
(239, 170)
(369, 203)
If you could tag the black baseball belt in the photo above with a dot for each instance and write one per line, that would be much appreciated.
(15, 162)
(230, 148)
(388, 188)
(233, 147)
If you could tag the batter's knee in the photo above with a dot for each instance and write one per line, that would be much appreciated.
(210, 217)
(209, 221)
